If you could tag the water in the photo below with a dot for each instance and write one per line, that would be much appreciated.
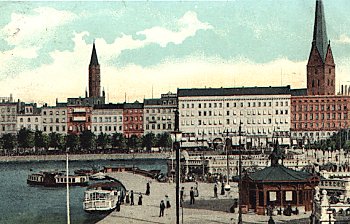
(21, 203)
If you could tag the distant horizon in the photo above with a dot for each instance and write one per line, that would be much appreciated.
(152, 48)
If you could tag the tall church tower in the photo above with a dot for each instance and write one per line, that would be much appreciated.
(320, 67)
(94, 75)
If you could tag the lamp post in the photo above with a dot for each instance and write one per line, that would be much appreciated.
(240, 175)
(177, 135)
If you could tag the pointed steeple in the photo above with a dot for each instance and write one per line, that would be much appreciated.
(320, 39)
(93, 60)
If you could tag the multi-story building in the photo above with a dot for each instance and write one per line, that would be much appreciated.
(29, 117)
(8, 112)
(107, 118)
(212, 112)
(54, 119)
(78, 119)
(159, 114)
(133, 119)
(317, 113)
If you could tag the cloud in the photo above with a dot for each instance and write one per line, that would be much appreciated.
(27, 29)
(343, 39)
(188, 25)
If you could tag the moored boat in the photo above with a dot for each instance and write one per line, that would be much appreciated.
(101, 197)
(56, 179)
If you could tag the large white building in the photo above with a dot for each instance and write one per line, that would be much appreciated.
(159, 114)
(54, 119)
(107, 118)
(212, 113)
(29, 117)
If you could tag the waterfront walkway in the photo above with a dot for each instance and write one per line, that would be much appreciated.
(83, 157)
(207, 209)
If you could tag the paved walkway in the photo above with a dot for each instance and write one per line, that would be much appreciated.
(148, 212)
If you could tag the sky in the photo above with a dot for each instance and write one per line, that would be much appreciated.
(147, 48)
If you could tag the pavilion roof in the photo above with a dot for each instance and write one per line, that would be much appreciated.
(279, 173)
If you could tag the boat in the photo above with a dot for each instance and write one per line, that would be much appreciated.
(56, 179)
(98, 176)
(101, 197)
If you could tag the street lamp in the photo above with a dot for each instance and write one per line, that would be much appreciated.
(240, 175)
(176, 137)
(227, 145)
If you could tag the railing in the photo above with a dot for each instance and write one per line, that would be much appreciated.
(97, 204)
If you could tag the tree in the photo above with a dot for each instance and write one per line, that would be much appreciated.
(25, 138)
(148, 141)
(8, 141)
(133, 142)
(102, 140)
(118, 140)
(72, 142)
(87, 140)
(165, 140)
(55, 140)
(40, 139)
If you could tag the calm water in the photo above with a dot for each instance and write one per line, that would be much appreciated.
(24, 204)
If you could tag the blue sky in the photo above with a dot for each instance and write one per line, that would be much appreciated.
(46, 46)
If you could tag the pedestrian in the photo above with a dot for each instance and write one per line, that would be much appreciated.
(215, 191)
(196, 193)
(191, 196)
(127, 197)
(182, 194)
(140, 199)
(167, 201)
(117, 207)
(132, 197)
(122, 196)
(271, 221)
(148, 189)
(162, 207)
(222, 188)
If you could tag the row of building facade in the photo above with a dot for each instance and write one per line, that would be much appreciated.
(296, 116)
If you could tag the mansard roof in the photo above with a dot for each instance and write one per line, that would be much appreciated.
(135, 105)
(279, 90)
(109, 106)
(299, 92)
(94, 60)
(320, 39)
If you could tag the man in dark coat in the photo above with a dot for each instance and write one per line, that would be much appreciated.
(148, 189)
(131, 197)
(162, 207)
(140, 199)
(215, 191)
(222, 188)
(191, 196)
(182, 195)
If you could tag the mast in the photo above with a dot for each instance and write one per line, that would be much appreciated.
(67, 174)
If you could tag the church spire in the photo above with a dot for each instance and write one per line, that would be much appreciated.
(93, 60)
(320, 39)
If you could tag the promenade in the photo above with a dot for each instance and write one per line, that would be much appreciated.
(83, 157)
(207, 209)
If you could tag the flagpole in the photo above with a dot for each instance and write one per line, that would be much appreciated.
(67, 183)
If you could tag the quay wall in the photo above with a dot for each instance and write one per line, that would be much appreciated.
(82, 157)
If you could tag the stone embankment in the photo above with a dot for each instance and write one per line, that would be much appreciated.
(82, 157)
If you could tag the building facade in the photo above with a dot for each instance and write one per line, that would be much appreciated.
(133, 119)
(8, 119)
(212, 113)
(54, 119)
(78, 119)
(29, 117)
(159, 114)
(107, 118)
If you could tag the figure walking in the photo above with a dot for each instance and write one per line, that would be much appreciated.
(182, 195)
(215, 191)
(117, 207)
(191, 196)
(132, 197)
(140, 199)
(167, 201)
(222, 188)
(162, 207)
(127, 198)
(148, 189)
